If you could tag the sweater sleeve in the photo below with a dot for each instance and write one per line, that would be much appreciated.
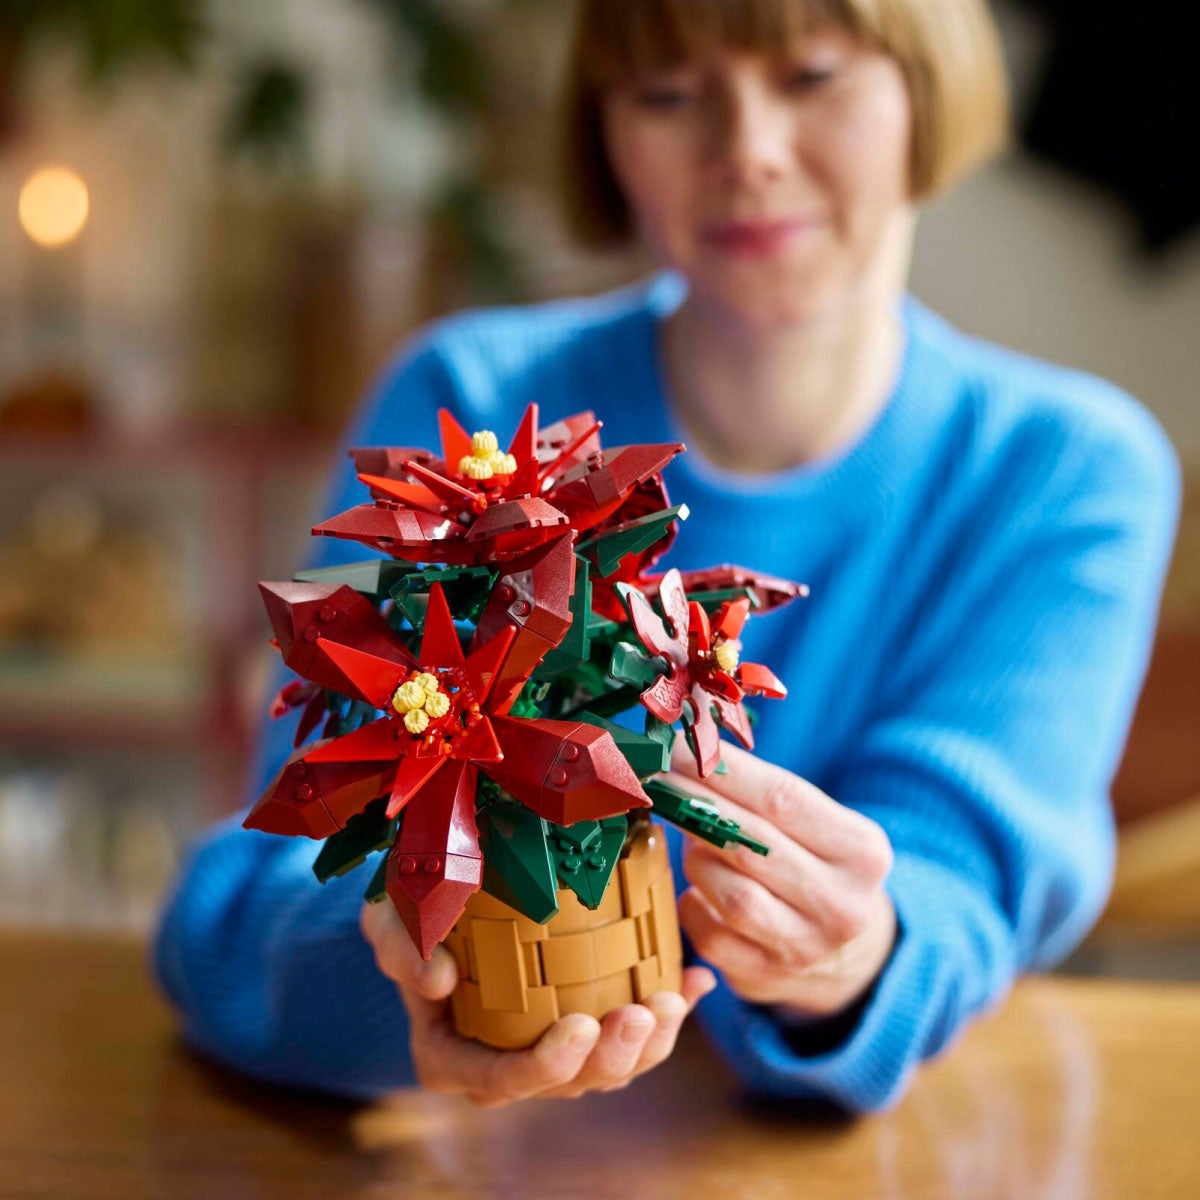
(267, 967)
(988, 761)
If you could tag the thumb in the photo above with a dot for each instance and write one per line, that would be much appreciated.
(398, 958)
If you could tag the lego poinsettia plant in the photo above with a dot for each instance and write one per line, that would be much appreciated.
(466, 681)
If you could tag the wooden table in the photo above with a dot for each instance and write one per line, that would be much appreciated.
(1075, 1089)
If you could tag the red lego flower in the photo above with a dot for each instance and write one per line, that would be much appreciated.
(704, 669)
(446, 718)
(477, 504)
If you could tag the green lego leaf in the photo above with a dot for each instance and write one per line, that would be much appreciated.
(630, 537)
(573, 649)
(711, 601)
(374, 578)
(662, 732)
(377, 888)
(466, 590)
(629, 665)
(517, 868)
(699, 817)
(646, 755)
(364, 833)
(586, 854)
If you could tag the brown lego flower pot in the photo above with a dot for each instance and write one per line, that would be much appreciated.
(516, 977)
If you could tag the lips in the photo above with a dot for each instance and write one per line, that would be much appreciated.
(755, 236)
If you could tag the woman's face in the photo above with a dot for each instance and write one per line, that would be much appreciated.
(774, 183)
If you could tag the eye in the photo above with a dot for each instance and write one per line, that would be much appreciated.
(810, 78)
(663, 99)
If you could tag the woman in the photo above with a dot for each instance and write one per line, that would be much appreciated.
(984, 535)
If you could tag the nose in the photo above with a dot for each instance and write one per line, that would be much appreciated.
(752, 139)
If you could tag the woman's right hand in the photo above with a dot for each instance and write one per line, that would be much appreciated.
(577, 1054)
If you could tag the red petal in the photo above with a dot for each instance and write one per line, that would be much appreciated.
(757, 680)
(384, 740)
(698, 628)
(702, 733)
(733, 716)
(411, 775)
(416, 494)
(731, 617)
(456, 442)
(564, 770)
(315, 799)
(365, 676)
(440, 646)
(436, 863)
(483, 664)
(524, 444)
(651, 630)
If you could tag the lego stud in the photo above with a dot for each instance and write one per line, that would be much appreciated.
(328, 613)
(726, 656)
(558, 776)
(486, 458)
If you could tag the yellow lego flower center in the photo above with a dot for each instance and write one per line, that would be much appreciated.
(419, 700)
(486, 458)
(726, 656)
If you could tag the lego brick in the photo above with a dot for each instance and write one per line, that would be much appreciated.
(574, 916)
(597, 996)
(591, 954)
(663, 920)
(637, 869)
(483, 905)
(642, 924)
(501, 964)
(498, 1027)
(533, 964)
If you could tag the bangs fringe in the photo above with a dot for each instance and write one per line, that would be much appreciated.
(631, 37)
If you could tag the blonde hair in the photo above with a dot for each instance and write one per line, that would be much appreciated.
(948, 51)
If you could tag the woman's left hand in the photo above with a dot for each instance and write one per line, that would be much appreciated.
(807, 927)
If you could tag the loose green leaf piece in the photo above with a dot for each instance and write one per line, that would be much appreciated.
(697, 816)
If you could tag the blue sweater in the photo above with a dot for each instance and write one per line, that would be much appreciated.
(985, 566)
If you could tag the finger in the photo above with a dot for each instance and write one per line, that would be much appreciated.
(555, 1060)
(747, 907)
(834, 899)
(780, 800)
(670, 1010)
(623, 1035)
(398, 958)
(732, 954)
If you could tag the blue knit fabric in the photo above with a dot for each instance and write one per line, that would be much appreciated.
(985, 566)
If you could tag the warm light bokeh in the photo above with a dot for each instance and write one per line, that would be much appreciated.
(53, 206)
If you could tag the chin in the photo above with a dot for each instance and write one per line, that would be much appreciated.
(770, 297)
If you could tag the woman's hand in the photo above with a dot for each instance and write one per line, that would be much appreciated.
(809, 926)
(576, 1054)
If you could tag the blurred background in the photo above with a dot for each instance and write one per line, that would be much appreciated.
(217, 221)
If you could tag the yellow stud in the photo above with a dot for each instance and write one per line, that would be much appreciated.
(428, 681)
(475, 468)
(483, 443)
(416, 721)
(727, 656)
(409, 696)
(437, 704)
